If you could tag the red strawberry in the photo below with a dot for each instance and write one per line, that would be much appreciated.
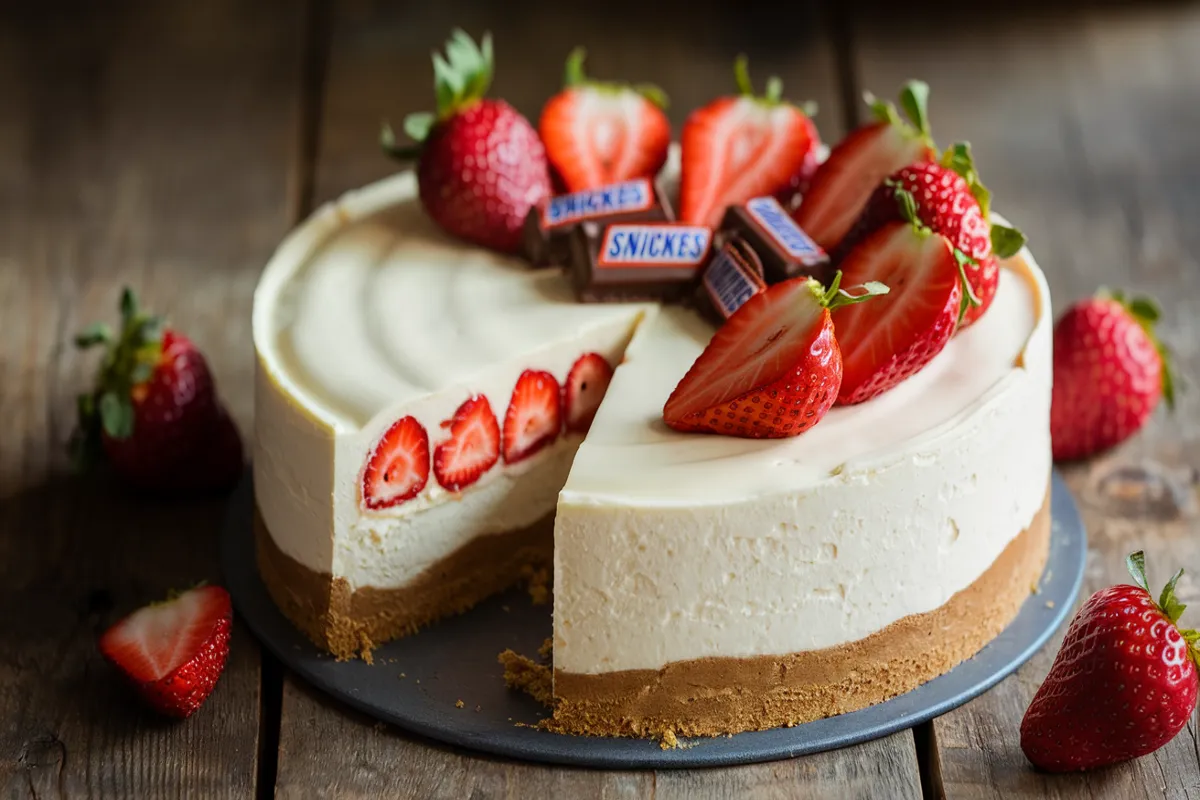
(473, 446)
(585, 387)
(772, 370)
(736, 148)
(534, 416)
(859, 163)
(174, 651)
(398, 467)
(1109, 372)
(481, 166)
(949, 199)
(1123, 684)
(601, 133)
(886, 342)
(154, 413)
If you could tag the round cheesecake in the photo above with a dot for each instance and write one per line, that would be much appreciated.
(702, 584)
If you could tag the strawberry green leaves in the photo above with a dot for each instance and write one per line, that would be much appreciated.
(914, 100)
(575, 76)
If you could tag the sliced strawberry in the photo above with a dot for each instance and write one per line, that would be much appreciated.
(398, 468)
(885, 342)
(534, 415)
(842, 185)
(585, 387)
(601, 133)
(473, 446)
(948, 198)
(736, 148)
(772, 370)
(173, 652)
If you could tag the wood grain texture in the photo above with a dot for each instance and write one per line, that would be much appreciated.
(146, 144)
(378, 66)
(1083, 125)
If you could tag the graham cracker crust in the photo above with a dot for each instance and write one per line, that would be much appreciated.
(713, 696)
(350, 623)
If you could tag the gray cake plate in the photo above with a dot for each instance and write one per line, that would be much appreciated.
(417, 682)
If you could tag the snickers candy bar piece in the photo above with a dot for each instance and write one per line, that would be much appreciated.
(785, 250)
(549, 225)
(637, 261)
(732, 277)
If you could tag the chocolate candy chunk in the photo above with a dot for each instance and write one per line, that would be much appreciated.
(786, 251)
(637, 261)
(732, 277)
(548, 226)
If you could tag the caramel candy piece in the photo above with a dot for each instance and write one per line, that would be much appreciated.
(784, 249)
(734, 275)
(549, 225)
(637, 261)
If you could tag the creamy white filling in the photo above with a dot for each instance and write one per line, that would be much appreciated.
(672, 547)
(668, 546)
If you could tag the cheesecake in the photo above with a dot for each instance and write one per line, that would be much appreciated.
(701, 584)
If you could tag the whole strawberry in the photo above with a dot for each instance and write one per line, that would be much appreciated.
(173, 652)
(773, 369)
(1123, 684)
(481, 165)
(598, 133)
(949, 199)
(154, 412)
(1109, 372)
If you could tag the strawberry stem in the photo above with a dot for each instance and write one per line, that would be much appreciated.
(914, 99)
(773, 95)
(835, 297)
(1006, 241)
(574, 76)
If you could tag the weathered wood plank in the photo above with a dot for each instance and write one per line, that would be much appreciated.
(379, 67)
(1082, 123)
(144, 144)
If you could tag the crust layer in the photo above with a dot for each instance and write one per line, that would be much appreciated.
(348, 623)
(712, 696)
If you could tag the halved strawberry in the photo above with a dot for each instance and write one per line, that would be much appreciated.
(859, 163)
(585, 387)
(948, 198)
(534, 415)
(772, 370)
(886, 342)
(473, 446)
(601, 133)
(398, 468)
(174, 651)
(736, 148)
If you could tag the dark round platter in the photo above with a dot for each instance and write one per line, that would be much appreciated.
(456, 660)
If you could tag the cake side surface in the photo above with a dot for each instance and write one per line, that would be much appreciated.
(718, 695)
(719, 547)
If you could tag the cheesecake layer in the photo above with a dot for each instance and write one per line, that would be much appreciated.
(717, 695)
(368, 313)
(673, 547)
(349, 622)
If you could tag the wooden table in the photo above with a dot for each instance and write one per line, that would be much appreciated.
(169, 145)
